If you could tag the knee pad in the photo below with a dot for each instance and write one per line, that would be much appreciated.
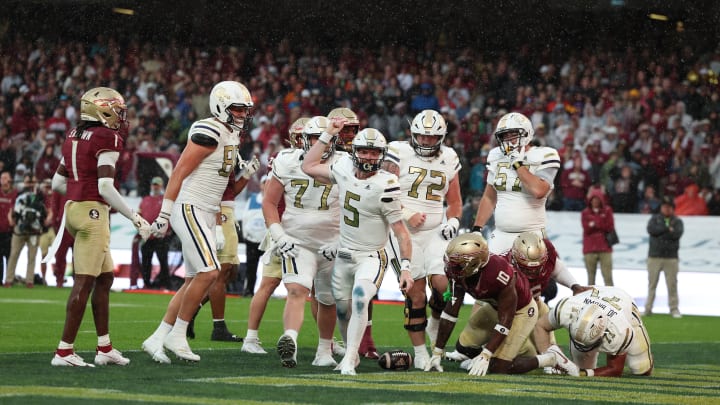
(437, 302)
(414, 313)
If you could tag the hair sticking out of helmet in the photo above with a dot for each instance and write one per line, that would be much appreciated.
(104, 105)
(466, 255)
(295, 132)
(427, 124)
(514, 131)
(529, 253)
(347, 133)
(588, 327)
(231, 103)
(312, 130)
(369, 139)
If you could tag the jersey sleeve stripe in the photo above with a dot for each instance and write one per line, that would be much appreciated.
(392, 189)
(199, 128)
(393, 158)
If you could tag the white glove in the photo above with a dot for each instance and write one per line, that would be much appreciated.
(518, 155)
(450, 229)
(219, 237)
(562, 362)
(249, 168)
(143, 227)
(435, 360)
(329, 251)
(479, 365)
(286, 245)
(160, 225)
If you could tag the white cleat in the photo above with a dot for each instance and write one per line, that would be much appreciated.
(71, 360)
(563, 363)
(252, 346)
(324, 360)
(114, 356)
(287, 349)
(180, 347)
(456, 356)
(552, 370)
(348, 364)
(154, 348)
(338, 347)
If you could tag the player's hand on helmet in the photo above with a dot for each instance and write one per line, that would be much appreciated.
(219, 237)
(336, 124)
(480, 364)
(449, 230)
(329, 251)
(435, 360)
(517, 156)
(143, 227)
(563, 363)
(161, 225)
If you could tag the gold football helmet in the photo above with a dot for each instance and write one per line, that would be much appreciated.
(313, 129)
(514, 131)
(431, 123)
(104, 105)
(348, 132)
(369, 138)
(227, 96)
(588, 327)
(295, 132)
(529, 253)
(465, 255)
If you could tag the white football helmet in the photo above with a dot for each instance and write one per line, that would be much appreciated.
(514, 131)
(347, 133)
(529, 253)
(229, 94)
(428, 122)
(588, 327)
(295, 132)
(369, 138)
(313, 128)
(104, 105)
(465, 255)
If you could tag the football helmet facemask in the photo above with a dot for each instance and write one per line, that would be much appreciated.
(514, 131)
(227, 96)
(431, 123)
(465, 255)
(295, 132)
(104, 105)
(369, 138)
(588, 327)
(347, 133)
(312, 130)
(529, 253)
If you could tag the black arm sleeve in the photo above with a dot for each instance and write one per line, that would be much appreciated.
(203, 140)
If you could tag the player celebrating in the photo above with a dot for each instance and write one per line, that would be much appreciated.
(309, 225)
(370, 207)
(473, 270)
(86, 177)
(601, 320)
(427, 170)
(521, 176)
(192, 200)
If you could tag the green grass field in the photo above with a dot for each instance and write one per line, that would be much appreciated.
(687, 365)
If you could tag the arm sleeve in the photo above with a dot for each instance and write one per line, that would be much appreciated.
(106, 188)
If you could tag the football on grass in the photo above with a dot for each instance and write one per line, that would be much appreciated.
(395, 360)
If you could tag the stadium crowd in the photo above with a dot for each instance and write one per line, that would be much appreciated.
(641, 125)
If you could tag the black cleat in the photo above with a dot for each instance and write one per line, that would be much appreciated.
(191, 329)
(224, 335)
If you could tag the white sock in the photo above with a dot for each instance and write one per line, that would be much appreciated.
(292, 333)
(324, 345)
(180, 327)
(432, 328)
(163, 329)
(546, 360)
(251, 334)
(65, 346)
(104, 340)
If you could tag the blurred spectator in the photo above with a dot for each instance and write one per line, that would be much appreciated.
(149, 209)
(47, 164)
(665, 230)
(597, 220)
(48, 235)
(690, 202)
(624, 191)
(28, 219)
(426, 100)
(7, 200)
(574, 183)
(649, 203)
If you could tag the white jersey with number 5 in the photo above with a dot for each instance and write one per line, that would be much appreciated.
(205, 186)
(517, 210)
(424, 181)
(368, 206)
(311, 207)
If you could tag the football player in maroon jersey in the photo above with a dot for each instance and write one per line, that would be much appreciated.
(86, 177)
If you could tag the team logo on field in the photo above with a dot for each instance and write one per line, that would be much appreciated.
(94, 214)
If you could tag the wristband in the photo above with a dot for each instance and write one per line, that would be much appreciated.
(325, 138)
(517, 165)
(404, 265)
(476, 228)
(503, 330)
(166, 208)
(438, 351)
(448, 317)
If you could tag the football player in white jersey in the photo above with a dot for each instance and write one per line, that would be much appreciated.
(520, 177)
(370, 205)
(427, 171)
(192, 200)
(309, 224)
(601, 320)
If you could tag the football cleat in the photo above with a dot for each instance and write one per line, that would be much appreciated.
(71, 360)
(154, 348)
(224, 335)
(180, 347)
(456, 356)
(287, 349)
(252, 346)
(324, 360)
(338, 347)
(114, 356)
